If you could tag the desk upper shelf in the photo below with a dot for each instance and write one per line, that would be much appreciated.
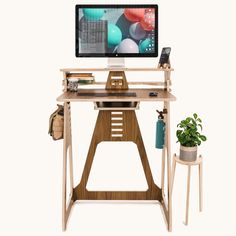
(141, 95)
(69, 70)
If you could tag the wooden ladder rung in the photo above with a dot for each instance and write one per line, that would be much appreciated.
(116, 115)
(116, 126)
(117, 132)
(120, 121)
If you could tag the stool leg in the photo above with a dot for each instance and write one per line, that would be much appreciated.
(188, 192)
(200, 187)
(173, 173)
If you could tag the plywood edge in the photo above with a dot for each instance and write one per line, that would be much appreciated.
(67, 70)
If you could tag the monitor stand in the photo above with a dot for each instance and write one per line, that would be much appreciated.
(116, 77)
(114, 62)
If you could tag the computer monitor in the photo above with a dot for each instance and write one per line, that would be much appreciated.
(116, 31)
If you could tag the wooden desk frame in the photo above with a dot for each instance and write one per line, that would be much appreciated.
(103, 132)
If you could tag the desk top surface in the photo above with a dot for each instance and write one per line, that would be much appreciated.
(141, 95)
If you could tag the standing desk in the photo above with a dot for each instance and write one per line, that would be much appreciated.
(117, 121)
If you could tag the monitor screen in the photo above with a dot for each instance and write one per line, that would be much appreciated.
(116, 30)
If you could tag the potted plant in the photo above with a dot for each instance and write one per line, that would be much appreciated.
(189, 137)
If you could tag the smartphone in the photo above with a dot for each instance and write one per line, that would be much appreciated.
(165, 54)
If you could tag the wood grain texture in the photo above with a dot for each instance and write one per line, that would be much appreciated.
(68, 70)
(200, 187)
(188, 193)
(108, 121)
(116, 80)
(168, 163)
(149, 83)
(141, 95)
(189, 164)
(67, 149)
(130, 132)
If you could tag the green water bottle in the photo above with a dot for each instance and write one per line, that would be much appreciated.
(160, 131)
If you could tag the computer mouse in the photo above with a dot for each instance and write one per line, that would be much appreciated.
(153, 94)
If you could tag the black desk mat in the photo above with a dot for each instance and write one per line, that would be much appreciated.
(126, 94)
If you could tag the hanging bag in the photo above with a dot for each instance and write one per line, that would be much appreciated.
(56, 123)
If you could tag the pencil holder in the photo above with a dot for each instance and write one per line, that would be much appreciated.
(72, 84)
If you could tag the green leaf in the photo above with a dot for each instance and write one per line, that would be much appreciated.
(199, 120)
(198, 142)
(188, 119)
(203, 137)
(195, 116)
(200, 126)
(191, 126)
(194, 122)
(178, 132)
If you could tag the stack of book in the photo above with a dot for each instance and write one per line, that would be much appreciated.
(82, 78)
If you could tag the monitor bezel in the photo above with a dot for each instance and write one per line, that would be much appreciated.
(78, 54)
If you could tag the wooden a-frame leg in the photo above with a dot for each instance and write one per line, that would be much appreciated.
(166, 154)
(173, 173)
(103, 132)
(200, 186)
(145, 163)
(163, 161)
(188, 193)
(67, 147)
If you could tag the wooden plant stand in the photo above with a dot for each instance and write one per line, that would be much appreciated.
(189, 164)
(117, 124)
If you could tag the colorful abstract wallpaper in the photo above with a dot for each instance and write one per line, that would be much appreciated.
(116, 30)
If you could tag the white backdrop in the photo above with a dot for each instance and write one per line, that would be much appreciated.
(37, 39)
